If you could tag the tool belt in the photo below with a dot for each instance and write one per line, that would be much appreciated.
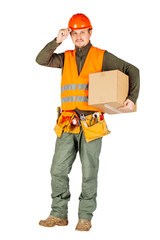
(65, 122)
(94, 126)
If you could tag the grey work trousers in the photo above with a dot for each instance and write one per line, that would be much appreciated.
(66, 149)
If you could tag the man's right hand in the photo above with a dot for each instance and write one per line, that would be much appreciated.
(63, 34)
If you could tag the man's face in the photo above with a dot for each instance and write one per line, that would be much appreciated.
(81, 37)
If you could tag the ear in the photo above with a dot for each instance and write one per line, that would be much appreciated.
(90, 33)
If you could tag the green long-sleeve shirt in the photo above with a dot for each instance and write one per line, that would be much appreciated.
(47, 57)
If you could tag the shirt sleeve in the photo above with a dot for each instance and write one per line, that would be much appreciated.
(48, 58)
(111, 62)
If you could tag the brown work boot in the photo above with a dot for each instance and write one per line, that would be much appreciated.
(83, 225)
(51, 221)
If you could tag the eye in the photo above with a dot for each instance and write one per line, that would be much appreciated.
(74, 33)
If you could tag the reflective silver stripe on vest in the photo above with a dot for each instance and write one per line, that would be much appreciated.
(69, 87)
(68, 99)
(74, 87)
(83, 86)
(73, 99)
(82, 99)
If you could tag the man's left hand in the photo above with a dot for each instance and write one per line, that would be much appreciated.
(128, 105)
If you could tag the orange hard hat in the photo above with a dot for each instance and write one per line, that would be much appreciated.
(79, 21)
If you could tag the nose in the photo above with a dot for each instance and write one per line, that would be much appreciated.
(79, 35)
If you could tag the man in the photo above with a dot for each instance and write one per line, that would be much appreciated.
(76, 66)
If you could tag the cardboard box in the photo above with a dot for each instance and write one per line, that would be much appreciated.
(108, 90)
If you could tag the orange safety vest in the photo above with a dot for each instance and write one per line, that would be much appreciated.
(74, 87)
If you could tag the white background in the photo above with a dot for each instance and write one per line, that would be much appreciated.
(129, 174)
